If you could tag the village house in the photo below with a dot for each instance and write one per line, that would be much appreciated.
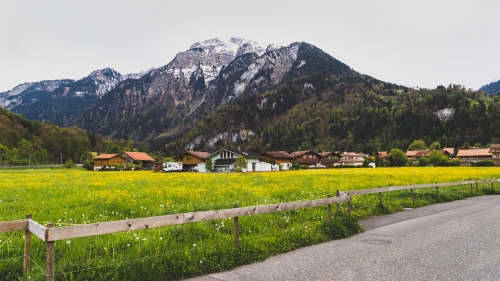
(191, 160)
(330, 159)
(469, 156)
(108, 160)
(353, 159)
(146, 161)
(224, 159)
(277, 158)
(495, 153)
(307, 158)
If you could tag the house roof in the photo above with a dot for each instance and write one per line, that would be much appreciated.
(139, 156)
(382, 154)
(105, 156)
(242, 152)
(302, 152)
(199, 154)
(494, 146)
(279, 154)
(421, 153)
(411, 153)
(224, 162)
(450, 150)
(326, 153)
(353, 154)
(351, 160)
(330, 161)
(308, 160)
(473, 152)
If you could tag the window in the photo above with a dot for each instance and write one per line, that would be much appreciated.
(304, 156)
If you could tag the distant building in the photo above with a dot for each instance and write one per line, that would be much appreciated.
(108, 160)
(307, 158)
(139, 157)
(474, 155)
(277, 158)
(191, 160)
(225, 158)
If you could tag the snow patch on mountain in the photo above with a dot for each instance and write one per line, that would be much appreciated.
(278, 62)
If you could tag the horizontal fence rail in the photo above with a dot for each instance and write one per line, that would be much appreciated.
(50, 234)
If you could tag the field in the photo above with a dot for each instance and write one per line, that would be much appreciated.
(176, 252)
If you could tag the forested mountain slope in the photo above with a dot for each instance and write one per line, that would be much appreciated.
(348, 113)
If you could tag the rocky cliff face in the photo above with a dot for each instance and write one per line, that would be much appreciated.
(166, 102)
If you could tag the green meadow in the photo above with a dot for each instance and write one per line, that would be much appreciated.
(176, 252)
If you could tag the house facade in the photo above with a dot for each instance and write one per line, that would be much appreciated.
(191, 160)
(225, 158)
(104, 160)
(330, 158)
(276, 158)
(474, 155)
(495, 153)
(352, 159)
(307, 158)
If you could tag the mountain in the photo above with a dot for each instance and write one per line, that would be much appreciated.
(167, 102)
(28, 93)
(59, 101)
(346, 113)
(491, 88)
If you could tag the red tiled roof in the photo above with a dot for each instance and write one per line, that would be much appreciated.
(473, 152)
(450, 150)
(139, 156)
(105, 156)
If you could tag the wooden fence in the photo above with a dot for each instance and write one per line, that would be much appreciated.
(50, 234)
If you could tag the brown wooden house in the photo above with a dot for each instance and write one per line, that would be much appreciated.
(330, 158)
(495, 153)
(278, 157)
(474, 155)
(108, 160)
(307, 158)
(191, 159)
(139, 157)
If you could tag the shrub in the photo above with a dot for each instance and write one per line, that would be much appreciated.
(484, 163)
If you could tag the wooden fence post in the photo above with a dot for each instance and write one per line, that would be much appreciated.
(338, 195)
(471, 188)
(412, 196)
(50, 266)
(27, 250)
(437, 191)
(349, 204)
(380, 197)
(477, 186)
(236, 230)
(329, 210)
(492, 185)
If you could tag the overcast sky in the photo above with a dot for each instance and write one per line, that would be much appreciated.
(414, 43)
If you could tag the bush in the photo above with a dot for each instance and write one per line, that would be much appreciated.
(484, 163)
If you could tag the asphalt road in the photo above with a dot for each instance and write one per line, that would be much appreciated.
(459, 240)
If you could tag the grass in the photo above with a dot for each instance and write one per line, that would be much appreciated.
(172, 253)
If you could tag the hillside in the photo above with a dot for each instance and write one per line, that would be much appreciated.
(347, 113)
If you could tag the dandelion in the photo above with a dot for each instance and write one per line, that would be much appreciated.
(201, 262)
(105, 248)
(68, 241)
(144, 239)
(194, 245)
(161, 238)
(135, 234)
(136, 238)
(128, 245)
